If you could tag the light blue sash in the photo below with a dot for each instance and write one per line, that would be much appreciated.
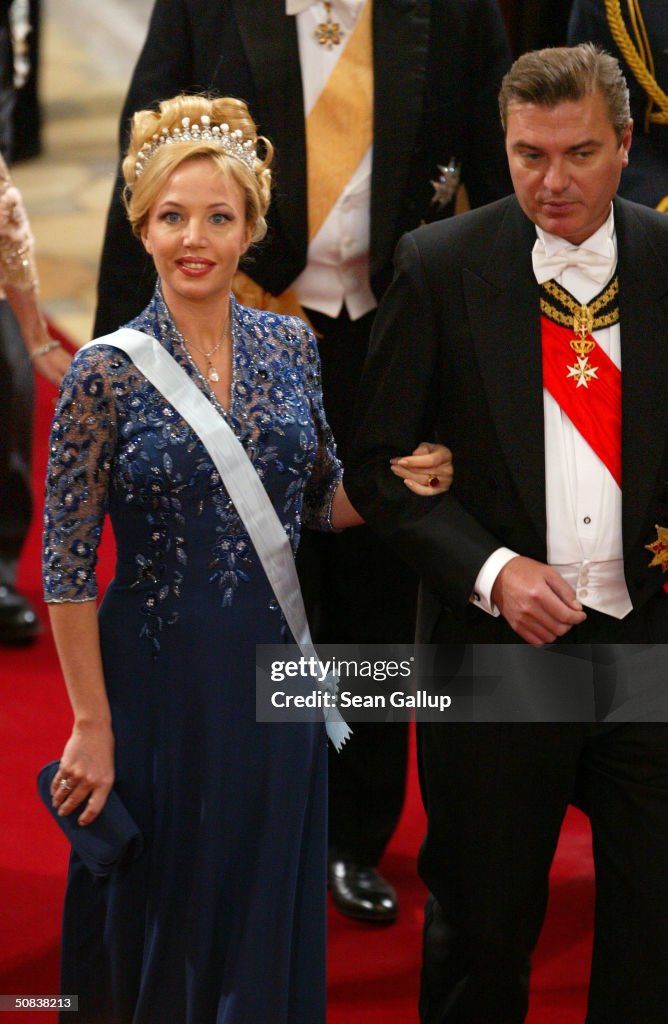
(243, 486)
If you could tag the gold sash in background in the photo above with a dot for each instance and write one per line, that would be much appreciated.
(339, 130)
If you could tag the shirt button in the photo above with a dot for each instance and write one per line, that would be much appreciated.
(583, 592)
(587, 520)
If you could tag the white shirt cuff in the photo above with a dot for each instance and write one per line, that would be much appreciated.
(482, 588)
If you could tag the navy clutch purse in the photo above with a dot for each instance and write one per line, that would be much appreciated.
(112, 839)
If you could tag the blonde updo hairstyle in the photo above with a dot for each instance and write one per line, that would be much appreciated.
(141, 192)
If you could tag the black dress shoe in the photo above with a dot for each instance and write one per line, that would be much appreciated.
(18, 620)
(360, 892)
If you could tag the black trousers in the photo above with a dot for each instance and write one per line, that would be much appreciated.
(16, 412)
(356, 591)
(496, 795)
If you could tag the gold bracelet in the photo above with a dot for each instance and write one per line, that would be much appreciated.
(44, 349)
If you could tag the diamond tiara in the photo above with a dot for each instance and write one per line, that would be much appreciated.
(218, 135)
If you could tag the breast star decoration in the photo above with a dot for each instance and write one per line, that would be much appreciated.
(659, 549)
(446, 184)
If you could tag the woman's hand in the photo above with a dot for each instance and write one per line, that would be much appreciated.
(427, 471)
(47, 355)
(86, 770)
(53, 364)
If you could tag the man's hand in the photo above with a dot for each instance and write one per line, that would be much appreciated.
(536, 601)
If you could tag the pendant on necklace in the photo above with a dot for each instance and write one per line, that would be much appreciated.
(213, 374)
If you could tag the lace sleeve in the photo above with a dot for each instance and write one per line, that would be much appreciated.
(77, 481)
(17, 259)
(327, 470)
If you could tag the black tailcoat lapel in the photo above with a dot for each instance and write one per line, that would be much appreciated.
(643, 306)
(399, 66)
(504, 314)
(270, 41)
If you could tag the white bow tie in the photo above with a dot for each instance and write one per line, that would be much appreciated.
(596, 266)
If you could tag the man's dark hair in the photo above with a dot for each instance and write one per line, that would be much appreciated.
(561, 73)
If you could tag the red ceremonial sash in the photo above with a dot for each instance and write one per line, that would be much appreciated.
(588, 389)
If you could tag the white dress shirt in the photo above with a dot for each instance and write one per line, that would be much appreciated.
(583, 501)
(337, 269)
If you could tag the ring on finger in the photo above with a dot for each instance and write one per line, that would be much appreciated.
(432, 480)
(66, 784)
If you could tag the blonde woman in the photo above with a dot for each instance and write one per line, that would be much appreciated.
(220, 920)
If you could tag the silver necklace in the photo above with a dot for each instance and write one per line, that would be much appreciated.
(211, 371)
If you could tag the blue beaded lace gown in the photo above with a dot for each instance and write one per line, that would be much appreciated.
(221, 920)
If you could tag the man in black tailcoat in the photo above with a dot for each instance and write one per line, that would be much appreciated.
(530, 336)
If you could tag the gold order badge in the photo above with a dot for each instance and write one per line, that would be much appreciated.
(329, 33)
(583, 320)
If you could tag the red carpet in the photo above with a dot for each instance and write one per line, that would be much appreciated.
(373, 972)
